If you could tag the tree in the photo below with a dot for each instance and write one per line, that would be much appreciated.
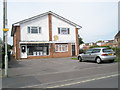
(99, 41)
(80, 40)
(95, 46)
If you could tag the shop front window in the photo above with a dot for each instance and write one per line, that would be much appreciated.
(37, 50)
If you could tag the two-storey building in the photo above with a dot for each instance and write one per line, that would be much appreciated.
(45, 35)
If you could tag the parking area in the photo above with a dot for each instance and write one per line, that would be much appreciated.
(41, 73)
(33, 67)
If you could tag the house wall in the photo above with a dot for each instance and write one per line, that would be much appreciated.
(14, 44)
(119, 42)
(43, 23)
(44, 36)
(63, 38)
(77, 41)
(16, 41)
(49, 25)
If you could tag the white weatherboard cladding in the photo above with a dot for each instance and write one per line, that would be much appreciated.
(63, 38)
(41, 22)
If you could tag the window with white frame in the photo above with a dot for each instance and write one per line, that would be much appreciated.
(63, 30)
(61, 47)
(34, 30)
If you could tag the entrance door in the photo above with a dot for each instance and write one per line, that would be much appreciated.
(23, 51)
(73, 50)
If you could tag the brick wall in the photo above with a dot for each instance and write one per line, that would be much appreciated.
(77, 42)
(14, 44)
(119, 42)
(50, 26)
(16, 41)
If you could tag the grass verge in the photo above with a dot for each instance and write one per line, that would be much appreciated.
(74, 58)
(117, 59)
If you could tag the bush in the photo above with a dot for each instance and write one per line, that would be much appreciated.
(117, 51)
(95, 46)
(81, 51)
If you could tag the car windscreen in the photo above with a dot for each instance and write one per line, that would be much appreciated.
(107, 50)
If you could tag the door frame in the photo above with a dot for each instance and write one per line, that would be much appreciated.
(24, 52)
(73, 50)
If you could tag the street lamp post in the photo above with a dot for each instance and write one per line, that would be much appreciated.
(5, 29)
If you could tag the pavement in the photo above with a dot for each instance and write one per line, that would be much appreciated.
(42, 73)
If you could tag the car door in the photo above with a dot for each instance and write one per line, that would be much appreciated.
(94, 54)
(87, 54)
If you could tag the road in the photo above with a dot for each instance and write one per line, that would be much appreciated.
(60, 72)
(111, 82)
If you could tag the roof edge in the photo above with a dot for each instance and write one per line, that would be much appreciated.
(44, 14)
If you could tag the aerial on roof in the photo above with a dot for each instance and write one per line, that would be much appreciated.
(44, 14)
(117, 35)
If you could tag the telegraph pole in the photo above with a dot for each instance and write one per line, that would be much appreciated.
(5, 29)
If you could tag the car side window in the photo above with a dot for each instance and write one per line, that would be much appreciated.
(107, 50)
(96, 51)
(89, 51)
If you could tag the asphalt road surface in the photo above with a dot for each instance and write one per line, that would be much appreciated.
(111, 82)
(60, 73)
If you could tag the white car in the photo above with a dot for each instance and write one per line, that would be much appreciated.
(98, 55)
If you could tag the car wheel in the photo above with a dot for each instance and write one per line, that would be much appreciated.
(80, 59)
(98, 60)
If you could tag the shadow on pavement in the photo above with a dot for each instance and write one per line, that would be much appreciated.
(14, 63)
(17, 82)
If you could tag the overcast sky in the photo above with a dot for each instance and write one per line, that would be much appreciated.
(98, 18)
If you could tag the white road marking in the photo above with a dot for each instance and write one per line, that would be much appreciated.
(112, 74)
(83, 81)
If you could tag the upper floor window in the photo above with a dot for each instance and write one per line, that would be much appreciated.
(34, 30)
(63, 30)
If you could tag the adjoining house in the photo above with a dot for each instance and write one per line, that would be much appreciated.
(111, 43)
(117, 38)
(45, 35)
